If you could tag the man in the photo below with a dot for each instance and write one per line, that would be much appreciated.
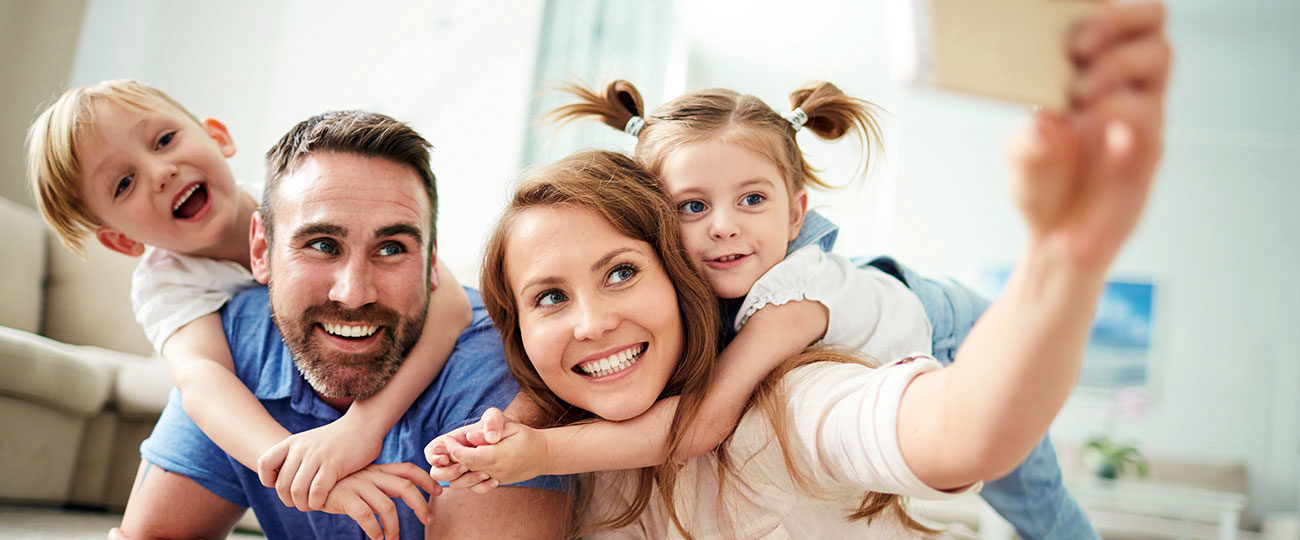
(346, 232)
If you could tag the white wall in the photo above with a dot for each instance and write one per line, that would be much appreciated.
(1218, 240)
(459, 71)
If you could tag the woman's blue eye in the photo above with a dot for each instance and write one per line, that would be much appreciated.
(692, 207)
(550, 298)
(324, 246)
(622, 274)
(166, 139)
(122, 185)
(753, 199)
(392, 249)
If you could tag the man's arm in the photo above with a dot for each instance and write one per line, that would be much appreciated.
(171, 505)
(505, 512)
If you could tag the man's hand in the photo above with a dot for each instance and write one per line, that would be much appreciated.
(488, 453)
(1083, 175)
(304, 467)
(366, 497)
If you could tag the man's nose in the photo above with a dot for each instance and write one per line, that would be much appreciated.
(722, 225)
(353, 285)
(595, 319)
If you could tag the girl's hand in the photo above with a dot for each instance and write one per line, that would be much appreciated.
(484, 455)
(367, 496)
(304, 467)
(1083, 175)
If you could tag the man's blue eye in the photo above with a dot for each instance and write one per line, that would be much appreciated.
(166, 139)
(692, 207)
(392, 249)
(550, 298)
(753, 199)
(622, 273)
(324, 246)
(122, 185)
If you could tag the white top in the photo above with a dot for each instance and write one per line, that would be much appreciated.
(170, 290)
(842, 427)
(869, 310)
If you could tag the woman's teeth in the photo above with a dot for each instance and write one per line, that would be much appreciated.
(613, 363)
(350, 330)
(185, 197)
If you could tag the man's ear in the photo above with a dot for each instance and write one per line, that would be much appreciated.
(219, 133)
(433, 265)
(114, 239)
(798, 209)
(259, 250)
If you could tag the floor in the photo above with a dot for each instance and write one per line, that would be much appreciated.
(27, 522)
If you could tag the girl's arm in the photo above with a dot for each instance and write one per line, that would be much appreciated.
(1082, 182)
(305, 466)
(201, 368)
(773, 334)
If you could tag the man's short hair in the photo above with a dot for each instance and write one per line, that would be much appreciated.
(53, 169)
(355, 132)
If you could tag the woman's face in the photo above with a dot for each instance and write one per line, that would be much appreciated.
(597, 313)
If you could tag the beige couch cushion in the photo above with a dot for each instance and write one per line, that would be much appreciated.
(74, 380)
(23, 267)
(89, 302)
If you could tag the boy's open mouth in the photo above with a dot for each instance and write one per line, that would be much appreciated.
(189, 203)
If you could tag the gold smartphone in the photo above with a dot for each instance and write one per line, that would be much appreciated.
(1013, 50)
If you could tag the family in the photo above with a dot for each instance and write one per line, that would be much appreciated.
(664, 345)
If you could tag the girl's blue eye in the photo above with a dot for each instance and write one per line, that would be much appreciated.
(166, 139)
(551, 297)
(391, 249)
(692, 207)
(622, 274)
(122, 185)
(324, 246)
(753, 199)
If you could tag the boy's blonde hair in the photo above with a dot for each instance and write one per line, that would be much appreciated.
(53, 170)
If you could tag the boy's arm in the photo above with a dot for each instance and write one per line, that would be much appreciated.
(304, 467)
(219, 403)
(772, 335)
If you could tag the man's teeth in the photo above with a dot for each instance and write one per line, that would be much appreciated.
(350, 330)
(613, 363)
(184, 197)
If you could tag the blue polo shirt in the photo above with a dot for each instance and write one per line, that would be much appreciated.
(474, 379)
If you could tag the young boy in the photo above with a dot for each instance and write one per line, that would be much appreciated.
(125, 162)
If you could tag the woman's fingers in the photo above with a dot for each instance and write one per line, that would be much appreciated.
(407, 490)
(320, 488)
(1142, 63)
(360, 512)
(382, 507)
(1113, 23)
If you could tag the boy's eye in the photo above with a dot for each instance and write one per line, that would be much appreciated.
(551, 298)
(391, 249)
(166, 139)
(692, 207)
(753, 199)
(621, 274)
(122, 185)
(324, 246)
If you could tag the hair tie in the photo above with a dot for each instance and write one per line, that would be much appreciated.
(797, 118)
(634, 125)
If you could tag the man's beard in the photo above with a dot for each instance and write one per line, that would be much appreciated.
(334, 373)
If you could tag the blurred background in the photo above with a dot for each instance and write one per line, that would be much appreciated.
(1217, 360)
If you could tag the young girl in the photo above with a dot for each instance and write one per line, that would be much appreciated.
(732, 167)
(125, 161)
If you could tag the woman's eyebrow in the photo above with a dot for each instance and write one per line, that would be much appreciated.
(609, 257)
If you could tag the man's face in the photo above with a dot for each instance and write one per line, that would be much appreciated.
(348, 276)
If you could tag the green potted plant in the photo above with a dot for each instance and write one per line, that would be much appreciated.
(1109, 458)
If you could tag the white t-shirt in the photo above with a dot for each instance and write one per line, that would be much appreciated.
(170, 290)
(842, 428)
(869, 310)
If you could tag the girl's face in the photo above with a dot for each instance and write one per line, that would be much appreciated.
(597, 313)
(736, 212)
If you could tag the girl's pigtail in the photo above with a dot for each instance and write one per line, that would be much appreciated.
(831, 115)
(619, 104)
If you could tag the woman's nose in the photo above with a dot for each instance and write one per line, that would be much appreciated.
(595, 319)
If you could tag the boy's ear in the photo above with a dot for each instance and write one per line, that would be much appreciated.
(798, 209)
(114, 239)
(259, 250)
(219, 133)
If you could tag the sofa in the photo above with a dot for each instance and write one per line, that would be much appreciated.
(80, 387)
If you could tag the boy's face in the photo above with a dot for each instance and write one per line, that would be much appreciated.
(736, 215)
(156, 177)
